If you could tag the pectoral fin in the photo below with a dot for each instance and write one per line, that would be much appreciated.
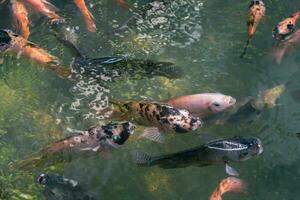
(231, 171)
(153, 134)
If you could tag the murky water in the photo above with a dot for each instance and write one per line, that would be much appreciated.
(204, 38)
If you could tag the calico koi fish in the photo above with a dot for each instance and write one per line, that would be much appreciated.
(161, 116)
(97, 140)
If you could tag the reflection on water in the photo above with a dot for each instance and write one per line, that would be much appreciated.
(205, 39)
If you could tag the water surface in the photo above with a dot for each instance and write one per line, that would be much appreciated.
(205, 38)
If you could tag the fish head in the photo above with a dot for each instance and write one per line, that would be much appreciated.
(43, 179)
(237, 148)
(284, 29)
(220, 102)
(121, 132)
(252, 147)
(53, 180)
(5, 39)
(257, 3)
(179, 120)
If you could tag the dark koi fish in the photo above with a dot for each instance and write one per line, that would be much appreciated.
(216, 152)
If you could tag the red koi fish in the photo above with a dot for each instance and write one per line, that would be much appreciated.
(46, 8)
(257, 11)
(88, 17)
(9, 41)
(20, 14)
(286, 27)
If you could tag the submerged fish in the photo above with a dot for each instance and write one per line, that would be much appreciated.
(230, 184)
(282, 48)
(270, 96)
(57, 187)
(88, 17)
(161, 116)
(257, 11)
(10, 41)
(46, 8)
(20, 15)
(202, 104)
(97, 140)
(249, 108)
(113, 67)
(123, 4)
(216, 152)
(286, 27)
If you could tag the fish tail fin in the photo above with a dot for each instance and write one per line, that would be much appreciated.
(28, 163)
(232, 184)
(50, 6)
(245, 48)
(141, 158)
(279, 53)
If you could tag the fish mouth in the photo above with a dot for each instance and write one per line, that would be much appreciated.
(231, 101)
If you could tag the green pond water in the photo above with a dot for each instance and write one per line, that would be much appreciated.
(204, 38)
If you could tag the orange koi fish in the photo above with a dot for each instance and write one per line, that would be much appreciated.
(286, 27)
(21, 17)
(88, 17)
(257, 11)
(10, 41)
(123, 4)
(46, 8)
(281, 49)
(230, 184)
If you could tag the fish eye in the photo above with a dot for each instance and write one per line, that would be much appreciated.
(290, 26)
(116, 138)
(216, 104)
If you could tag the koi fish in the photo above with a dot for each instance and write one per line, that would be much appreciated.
(286, 27)
(221, 151)
(202, 104)
(257, 11)
(9, 41)
(116, 67)
(20, 14)
(123, 4)
(230, 184)
(88, 17)
(282, 48)
(46, 8)
(58, 187)
(96, 140)
(161, 117)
